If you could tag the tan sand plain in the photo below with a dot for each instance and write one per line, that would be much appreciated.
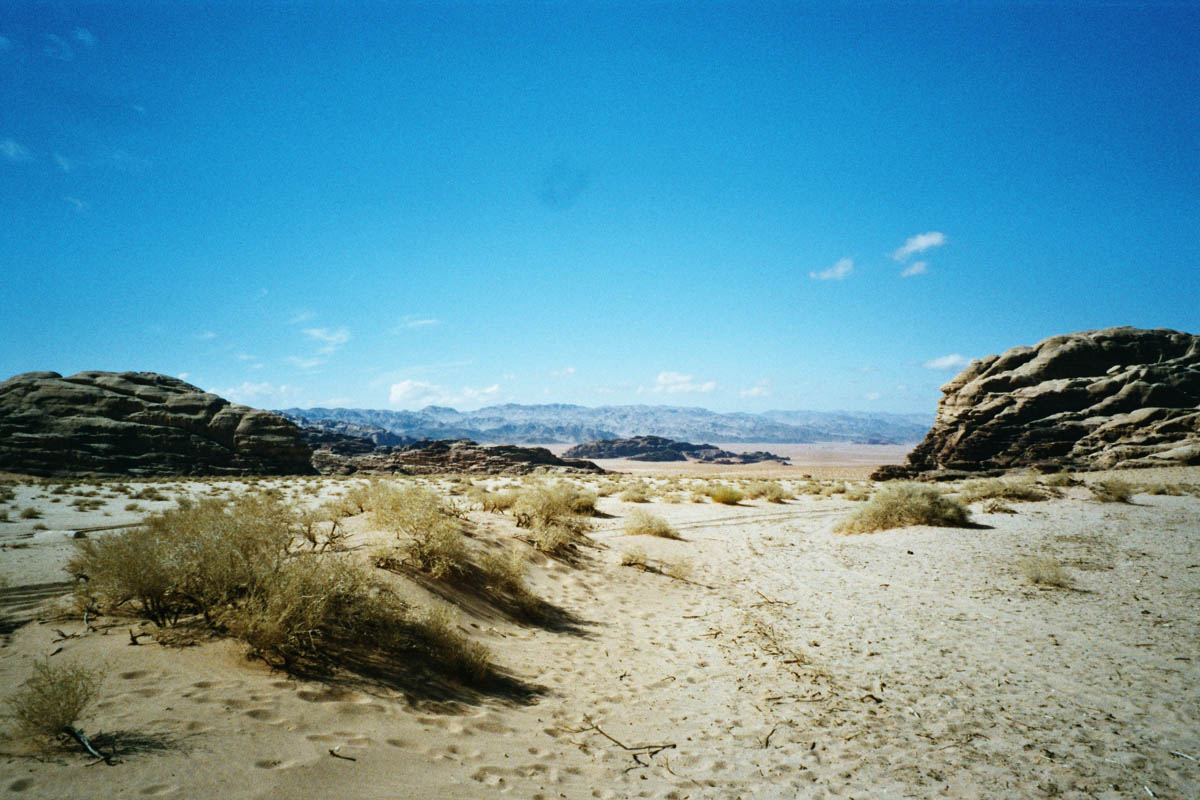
(794, 663)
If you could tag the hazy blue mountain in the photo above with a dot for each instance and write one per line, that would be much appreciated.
(558, 422)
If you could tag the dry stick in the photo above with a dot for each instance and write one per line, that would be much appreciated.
(83, 740)
(767, 741)
(333, 751)
(1182, 755)
(648, 750)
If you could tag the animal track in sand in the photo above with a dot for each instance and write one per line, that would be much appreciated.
(134, 675)
(20, 785)
(159, 789)
(264, 714)
(327, 695)
(272, 763)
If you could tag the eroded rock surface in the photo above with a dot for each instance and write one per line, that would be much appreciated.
(1118, 397)
(444, 456)
(658, 448)
(138, 423)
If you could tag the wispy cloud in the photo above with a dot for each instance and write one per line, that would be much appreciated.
(302, 316)
(14, 151)
(417, 394)
(332, 338)
(259, 394)
(919, 244)
(79, 205)
(760, 389)
(872, 396)
(409, 323)
(305, 363)
(206, 336)
(674, 382)
(63, 162)
(84, 37)
(954, 361)
(835, 273)
(564, 371)
(915, 268)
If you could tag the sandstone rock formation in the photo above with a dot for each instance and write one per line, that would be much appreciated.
(434, 457)
(138, 423)
(658, 448)
(1118, 397)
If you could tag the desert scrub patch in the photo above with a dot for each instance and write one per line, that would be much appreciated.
(53, 698)
(1045, 571)
(770, 491)
(1059, 480)
(901, 504)
(1160, 488)
(725, 495)
(30, 513)
(1111, 490)
(636, 493)
(434, 538)
(1013, 489)
(451, 647)
(642, 523)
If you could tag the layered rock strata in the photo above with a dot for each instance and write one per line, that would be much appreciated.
(1117, 397)
(138, 423)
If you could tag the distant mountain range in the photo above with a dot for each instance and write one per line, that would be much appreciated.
(570, 424)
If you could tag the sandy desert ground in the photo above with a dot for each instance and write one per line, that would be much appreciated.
(793, 662)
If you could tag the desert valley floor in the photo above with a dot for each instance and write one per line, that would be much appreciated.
(759, 655)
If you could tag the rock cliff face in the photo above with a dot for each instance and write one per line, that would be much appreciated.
(1118, 397)
(138, 423)
(658, 448)
(444, 456)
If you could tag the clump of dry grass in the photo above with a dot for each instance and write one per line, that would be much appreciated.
(1059, 480)
(643, 523)
(30, 513)
(1014, 489)
(725, 495)
(1045, 571)
(900, 504)
(1169, 489)
(770, 491)
(1112, 490)
(53, 698)
(636, 493)
(551, 513)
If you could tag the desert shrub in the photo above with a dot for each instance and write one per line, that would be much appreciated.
(643, 523)
(30, 513)
(1112, 490)
(634, 557)
(770, 491)
(674, 498)
(678, 568)
(133, 507)
(53, 698)
(451, 648)
(1045, 571)
(725, 495)
(1170, 489)
(700, 497)
(905, 503)
(495, 502)
(636, 493)
(857, 494)
(996, 506)
(1023, 489)
(435, 542)
(151, 493)
(1059, 480)
(549, 513)
(321, 528)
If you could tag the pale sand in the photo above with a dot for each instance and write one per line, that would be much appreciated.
(799, 663)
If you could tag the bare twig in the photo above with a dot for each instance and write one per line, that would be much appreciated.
(1182, 755)
(333, 751)
(767, 741)
(78, 736)
(647, 750)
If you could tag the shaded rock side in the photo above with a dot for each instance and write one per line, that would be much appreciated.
(1118, 397)
(658, 448)
(138, 423)
(444, 456)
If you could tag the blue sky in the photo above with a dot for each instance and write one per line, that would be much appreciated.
(740, 206)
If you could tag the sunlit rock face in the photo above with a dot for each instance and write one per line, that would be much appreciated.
(1117, 397)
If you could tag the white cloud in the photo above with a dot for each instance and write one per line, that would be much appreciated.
(919, 244)
(333, 339)
(14, 151)
(954, 361)
(409, 323)
(302, 316)
(673, 382)
(206, 336)
(564, 371)
(416, 394)
(915, 268)
(755, 391)
(183, 376)
(835, 273)
(79, 205)
(63, 162)
(84, 37)
(872, 396)
(259, 394)
(305, 363)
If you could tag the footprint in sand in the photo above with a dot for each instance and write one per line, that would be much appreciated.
(20, 785)
(261, 714)
(134, 675)
(158, 789)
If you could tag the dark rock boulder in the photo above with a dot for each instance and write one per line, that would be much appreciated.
(658, 448)
(138, 423)
(1118, 397)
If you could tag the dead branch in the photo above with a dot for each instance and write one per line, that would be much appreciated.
(78, 736)
(333, 751)
(635, 751)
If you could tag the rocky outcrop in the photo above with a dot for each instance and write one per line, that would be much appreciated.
(446, 456)
(658, 448)
(138, 423)
(1118, 397)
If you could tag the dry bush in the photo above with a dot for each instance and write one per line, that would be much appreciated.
(901, 504)
(857, 494)
(435, 543)
(636, 493)
(634, 557)
(699, 496)
(770, 491)
(1017, 489)
(673, 498)
(30, 513)
(996, 506)
(1045, 571)
(678, 568)
(550, 514)
(1112, 490)
(643, 523)
(451, 648)
(53, 698)
(725, 495)
(496, 502)
(321, 528)
(1170, 489)
(1059, 480)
